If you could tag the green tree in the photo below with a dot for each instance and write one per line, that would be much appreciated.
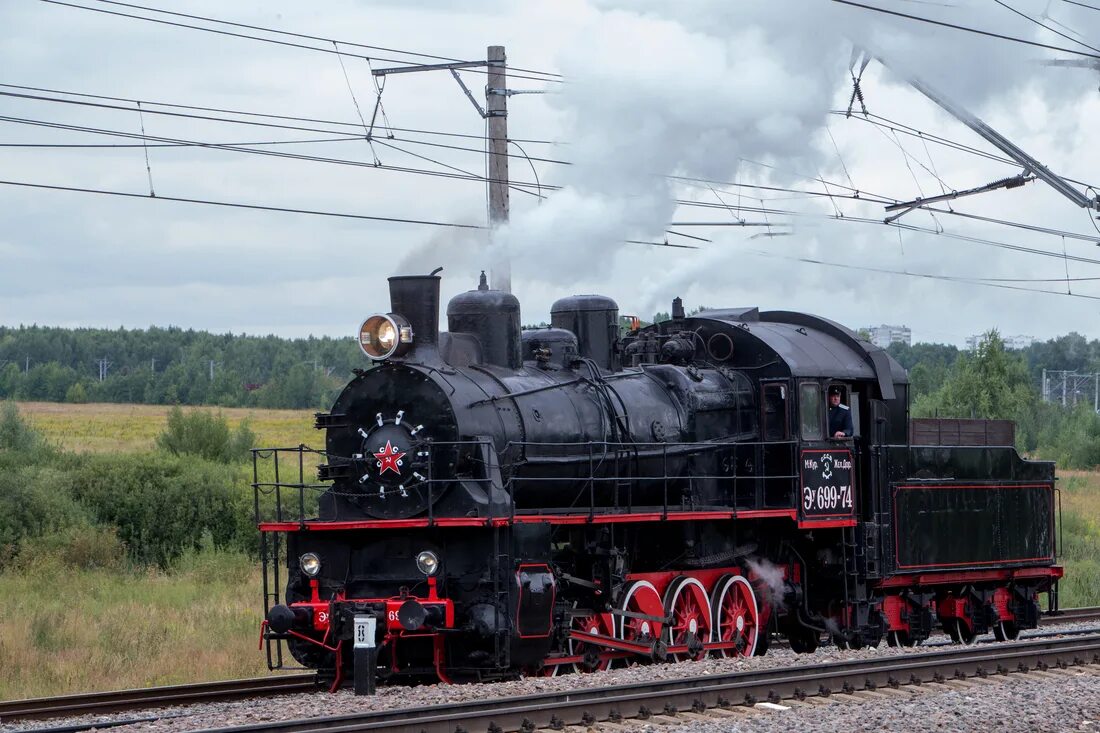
(992, 383)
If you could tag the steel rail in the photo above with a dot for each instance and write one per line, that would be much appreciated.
(1071, 615)
(152, 697)
(643, 700)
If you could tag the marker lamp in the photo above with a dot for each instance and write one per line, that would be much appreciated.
(310, 564)
(427, 562)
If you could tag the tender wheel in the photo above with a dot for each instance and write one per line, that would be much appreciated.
(736, 615)
(593, 624)
(1006, 631)
(641, 598)
(686, 603)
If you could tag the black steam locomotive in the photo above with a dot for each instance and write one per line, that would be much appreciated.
(495, 502)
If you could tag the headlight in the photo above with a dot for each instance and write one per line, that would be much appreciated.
(384, 335)
(311, 564)
(427, 562)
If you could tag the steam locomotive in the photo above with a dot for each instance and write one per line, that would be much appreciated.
(494, 501)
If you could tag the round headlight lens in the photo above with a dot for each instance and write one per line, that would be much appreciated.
(311, 564)
(427, 562)
(384, 335)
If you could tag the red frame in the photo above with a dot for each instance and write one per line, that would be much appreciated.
(560, 519)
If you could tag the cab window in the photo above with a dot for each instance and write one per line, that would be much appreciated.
(811, 409)
(775, 412)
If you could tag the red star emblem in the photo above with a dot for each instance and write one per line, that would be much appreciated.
(389, 459)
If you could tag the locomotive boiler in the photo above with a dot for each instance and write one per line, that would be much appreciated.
(493, 501)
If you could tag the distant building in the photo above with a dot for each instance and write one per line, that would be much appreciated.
(1019, 341)
(882, 336)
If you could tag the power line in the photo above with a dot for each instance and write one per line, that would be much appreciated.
(879, 222)
(956, 27)
(232, 34)
(520, 185)
(1039, 23)
(901, 127)
(238, 205)
(262, 114)
(312, 212)
(516, 185)
(1083, 5)
(208, 118)
(110, 146)
(303, 35)
(928, 276)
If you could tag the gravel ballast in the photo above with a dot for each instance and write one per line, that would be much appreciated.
(1057, 694)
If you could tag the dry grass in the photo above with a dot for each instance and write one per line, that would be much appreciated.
(118, 428)
(101, 630)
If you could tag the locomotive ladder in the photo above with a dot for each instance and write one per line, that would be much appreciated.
(503, 562)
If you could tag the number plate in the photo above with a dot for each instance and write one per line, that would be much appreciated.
(365, 627)
(827, 483)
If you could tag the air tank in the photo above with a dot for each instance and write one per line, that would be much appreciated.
(595, 321)
(493, 317)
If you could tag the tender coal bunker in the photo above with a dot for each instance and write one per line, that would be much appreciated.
(957, 526)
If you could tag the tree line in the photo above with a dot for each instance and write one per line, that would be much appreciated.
(173, 366)
(994, 382)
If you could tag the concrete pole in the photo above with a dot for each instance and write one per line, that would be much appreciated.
(496, 109)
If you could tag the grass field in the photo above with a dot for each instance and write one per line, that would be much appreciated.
(87, 630)
(105, 428)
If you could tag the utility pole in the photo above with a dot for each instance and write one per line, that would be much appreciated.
(496, 112)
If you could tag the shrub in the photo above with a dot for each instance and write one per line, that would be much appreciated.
(163, 505)
(79, 547)
(16, 434)
(34, 501)
(76, 394)
(205, 434)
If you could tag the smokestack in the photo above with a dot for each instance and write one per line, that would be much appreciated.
(416, 297)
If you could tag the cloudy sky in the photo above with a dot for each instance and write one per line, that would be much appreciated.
(674, 117)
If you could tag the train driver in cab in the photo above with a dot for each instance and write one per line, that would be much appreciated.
(840, 416)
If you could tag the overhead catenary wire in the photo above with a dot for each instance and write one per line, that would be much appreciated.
(275, 41)
(1081, 4)
(990, 283)
(1039, 23)
(252, 123)
(241, 205)
(474, 177)
(302, 35)
(958, 27)
(515, 185)
(246, 113)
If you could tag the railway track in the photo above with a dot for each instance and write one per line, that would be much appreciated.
(152, 697)
(1071, 615)
(698, 695)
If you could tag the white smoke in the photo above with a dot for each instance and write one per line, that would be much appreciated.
(772, 578)
(657, 89)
